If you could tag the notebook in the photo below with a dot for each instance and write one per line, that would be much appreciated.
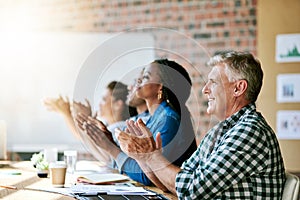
(107, 178)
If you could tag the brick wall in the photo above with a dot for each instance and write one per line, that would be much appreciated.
(204, 27)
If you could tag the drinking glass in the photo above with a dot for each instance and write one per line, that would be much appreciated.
(70, 158)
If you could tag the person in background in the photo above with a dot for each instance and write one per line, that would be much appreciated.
(113, 111)
(239, 158)
(132, 101)
(165, 86)
(135, 102)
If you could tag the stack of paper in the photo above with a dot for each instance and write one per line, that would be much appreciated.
(109, 189)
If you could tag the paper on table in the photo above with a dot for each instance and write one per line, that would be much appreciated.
(106, 178)
(110, 189)
(130, 191)
(96, 189)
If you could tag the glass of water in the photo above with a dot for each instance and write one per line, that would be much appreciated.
(70, 158)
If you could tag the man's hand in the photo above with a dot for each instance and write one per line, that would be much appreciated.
(95, 130)
(102, 127)
(137, 141)
(78, 107)
(60, 105)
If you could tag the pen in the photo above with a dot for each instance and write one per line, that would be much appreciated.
(8, 187)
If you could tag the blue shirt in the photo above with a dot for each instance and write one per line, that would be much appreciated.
(178, 141)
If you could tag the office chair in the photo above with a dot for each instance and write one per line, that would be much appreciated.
(291, 187)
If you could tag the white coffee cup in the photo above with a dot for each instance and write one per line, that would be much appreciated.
(58, 173)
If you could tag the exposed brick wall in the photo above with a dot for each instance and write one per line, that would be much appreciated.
(216, 25)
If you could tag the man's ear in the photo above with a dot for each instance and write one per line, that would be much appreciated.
(240, 87)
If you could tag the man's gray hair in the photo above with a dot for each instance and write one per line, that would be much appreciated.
(241, 65)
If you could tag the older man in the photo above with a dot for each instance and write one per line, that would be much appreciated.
(239, 158)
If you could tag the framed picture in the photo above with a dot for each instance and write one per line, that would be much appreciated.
(288, 124)
(288, 88)
(288, 48)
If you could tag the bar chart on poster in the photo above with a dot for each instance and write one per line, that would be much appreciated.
(48, 64)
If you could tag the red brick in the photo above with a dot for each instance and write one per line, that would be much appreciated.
(217, 25)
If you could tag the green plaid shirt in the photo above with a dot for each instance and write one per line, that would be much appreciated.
(243, 162)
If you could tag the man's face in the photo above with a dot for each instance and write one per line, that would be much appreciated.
(219, 92)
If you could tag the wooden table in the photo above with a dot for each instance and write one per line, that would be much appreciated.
(28, 183)
(25, 183)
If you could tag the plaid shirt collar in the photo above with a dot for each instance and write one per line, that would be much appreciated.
(222, 127)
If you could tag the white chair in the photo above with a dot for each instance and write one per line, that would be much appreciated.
(291, 187)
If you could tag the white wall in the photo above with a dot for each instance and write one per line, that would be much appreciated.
(38, 65)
